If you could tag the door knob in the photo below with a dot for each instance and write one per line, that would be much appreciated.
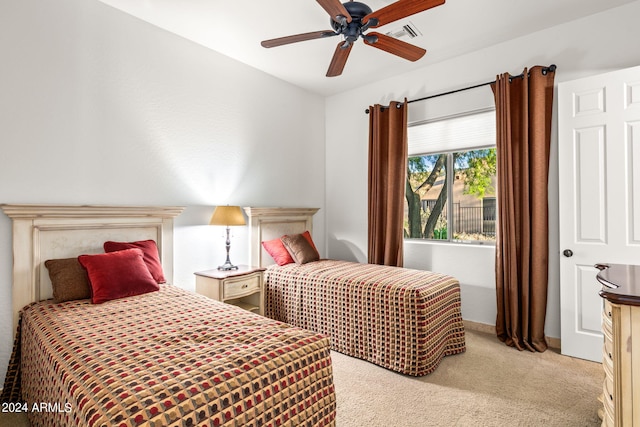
(568, 253)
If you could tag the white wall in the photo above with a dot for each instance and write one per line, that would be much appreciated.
(592, 45)
(97, 107)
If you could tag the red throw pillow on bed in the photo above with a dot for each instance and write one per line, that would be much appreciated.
(117, 275)
(279, 253)
(150, 251)
(307, 236)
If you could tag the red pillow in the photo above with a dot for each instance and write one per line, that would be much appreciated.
(150, 251)
(279, 253)
(307, 236)
(117, 275)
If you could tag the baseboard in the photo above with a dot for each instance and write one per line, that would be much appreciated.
(479, 327)
(553, 343)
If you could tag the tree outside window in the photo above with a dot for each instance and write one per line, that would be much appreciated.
(451, 196)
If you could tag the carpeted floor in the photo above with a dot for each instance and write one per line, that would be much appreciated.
(489, 385)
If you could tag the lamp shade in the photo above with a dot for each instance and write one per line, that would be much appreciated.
(227, 215)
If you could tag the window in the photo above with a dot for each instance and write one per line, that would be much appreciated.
(451, 182)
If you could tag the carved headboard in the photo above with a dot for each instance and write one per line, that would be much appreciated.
(42, 232)
(272, 223)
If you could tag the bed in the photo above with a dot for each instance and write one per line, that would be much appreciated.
(167, 357)
(401, 319)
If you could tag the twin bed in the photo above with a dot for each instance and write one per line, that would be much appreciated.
(174, 358)
(162, 358)
(401, 319)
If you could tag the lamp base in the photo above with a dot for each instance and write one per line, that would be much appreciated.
(227, 266)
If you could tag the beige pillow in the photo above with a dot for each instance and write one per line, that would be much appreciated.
(300, 249)
(69, 279)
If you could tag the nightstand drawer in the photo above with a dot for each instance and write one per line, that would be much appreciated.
(241, 286)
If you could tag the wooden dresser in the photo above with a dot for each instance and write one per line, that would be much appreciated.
(621, 358)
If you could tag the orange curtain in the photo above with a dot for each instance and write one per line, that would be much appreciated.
(523, 126)
(387, 174)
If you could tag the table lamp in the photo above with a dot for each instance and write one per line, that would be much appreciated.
(227, 216)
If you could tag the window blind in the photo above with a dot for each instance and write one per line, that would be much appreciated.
(453, 134)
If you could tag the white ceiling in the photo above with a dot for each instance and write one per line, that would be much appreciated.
(236, 27)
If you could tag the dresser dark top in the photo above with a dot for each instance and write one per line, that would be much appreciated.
(620, 283)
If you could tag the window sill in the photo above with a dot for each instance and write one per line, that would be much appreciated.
(482, 244)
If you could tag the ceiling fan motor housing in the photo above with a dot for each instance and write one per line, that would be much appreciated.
(353, 29)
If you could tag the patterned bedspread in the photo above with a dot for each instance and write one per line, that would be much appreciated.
(171, 358)
(401, 319)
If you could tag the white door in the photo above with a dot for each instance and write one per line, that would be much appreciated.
(599, 167)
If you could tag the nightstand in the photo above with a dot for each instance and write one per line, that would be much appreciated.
(242, 287)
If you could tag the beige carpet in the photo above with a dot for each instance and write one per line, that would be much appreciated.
(489, 385)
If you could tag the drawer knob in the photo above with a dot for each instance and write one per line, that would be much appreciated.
(244, 286)
(610, 397)
(610, 356)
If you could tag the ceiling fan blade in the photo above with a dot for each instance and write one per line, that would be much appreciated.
(334, 8)
(339, 60)
(394, 46)
(298, 38)
(400, 9)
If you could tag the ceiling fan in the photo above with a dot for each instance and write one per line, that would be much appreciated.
(352, 19)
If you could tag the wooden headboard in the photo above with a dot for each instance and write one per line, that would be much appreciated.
(272, 223)
(42, 232)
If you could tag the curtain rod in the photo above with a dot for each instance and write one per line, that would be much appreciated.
(545, 70)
